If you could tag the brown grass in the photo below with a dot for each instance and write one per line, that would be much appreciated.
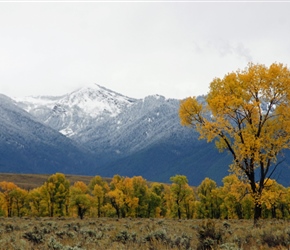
(30, 181)
(149, 234)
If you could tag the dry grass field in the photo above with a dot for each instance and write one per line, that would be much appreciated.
(30, 181)
(133, 233)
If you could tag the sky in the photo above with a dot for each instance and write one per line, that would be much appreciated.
(174, 49)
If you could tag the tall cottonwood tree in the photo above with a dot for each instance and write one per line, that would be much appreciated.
(232, 193)
(209, 201)
(157, 202)
(7, 189)
(247, 113)
(38, 201)
(180, 191)
(80, 198)
(56, 189)
(140, 191)
(99, 189)
(19, 196)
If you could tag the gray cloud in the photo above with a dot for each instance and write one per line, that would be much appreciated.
(174, 49)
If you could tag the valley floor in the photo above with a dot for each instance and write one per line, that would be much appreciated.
(134, 233)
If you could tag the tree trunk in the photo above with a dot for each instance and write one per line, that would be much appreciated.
(273, 212)
(257, 212)
(179, 213)
(51, 210)
(99, 207)
(80, 212)
(178, 209)
(256, 193)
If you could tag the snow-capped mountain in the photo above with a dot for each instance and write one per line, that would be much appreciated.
(106, 121)
(28, 146)
(131, 136)
(142, 124)
(128, 136)
(74, 112)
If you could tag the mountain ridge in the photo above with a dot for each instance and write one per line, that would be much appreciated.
(130, 136)
(71, 112)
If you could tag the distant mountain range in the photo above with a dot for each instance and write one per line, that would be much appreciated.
(96, 131)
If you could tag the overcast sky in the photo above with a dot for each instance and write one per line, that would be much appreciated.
(173, 49)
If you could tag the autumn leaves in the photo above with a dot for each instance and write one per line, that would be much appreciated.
(124, 197)
(247, 113)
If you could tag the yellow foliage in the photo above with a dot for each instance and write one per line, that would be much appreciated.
(81, 186)
(189, 111)
(247, 113)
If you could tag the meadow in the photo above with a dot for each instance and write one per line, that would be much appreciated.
(144, 234)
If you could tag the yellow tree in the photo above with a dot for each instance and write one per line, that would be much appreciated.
(168, 204)
(180, 192)
(99, 189)
(122, 196)
(57, 194)
(190, 203)
(274, 195)
(98, 180)
(140, 191)
(20, 200)
(209, 200)
(156, 201)
(232, 193)
(98, 198)
(130, 200)
(247, 113)
(80, 198)
(117, 200)
(37, 201)
(7, 189)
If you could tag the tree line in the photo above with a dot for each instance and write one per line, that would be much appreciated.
(135, 197)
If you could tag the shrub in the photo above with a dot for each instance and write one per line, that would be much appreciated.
(9, 228)
(275, 239)
(125, 237)
(34, 237)
(182, 242)
(208, 235)
(53, 244)
(159, 235)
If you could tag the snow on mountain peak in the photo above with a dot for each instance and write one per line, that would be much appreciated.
(95, 100)
(72, 112)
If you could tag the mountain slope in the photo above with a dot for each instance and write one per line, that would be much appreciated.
(28, 146)
(162, 160)
(134, 136)
(147, 139)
